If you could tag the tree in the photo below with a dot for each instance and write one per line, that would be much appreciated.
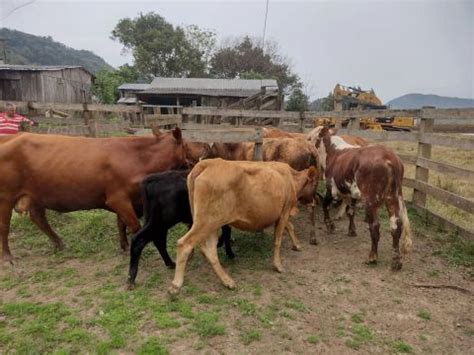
(245, 58)
(327, 103)
(297, 101)
(161, 49)
(107, 81)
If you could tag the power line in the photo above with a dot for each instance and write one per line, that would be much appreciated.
(16, 8)
(265, 25)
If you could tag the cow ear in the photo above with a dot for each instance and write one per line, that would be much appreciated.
(333, 131)
(312, 173)
(156, 131)
(177, 135)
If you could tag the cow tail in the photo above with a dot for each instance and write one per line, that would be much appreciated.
(145, 202)
(406, 243)
(197, 170)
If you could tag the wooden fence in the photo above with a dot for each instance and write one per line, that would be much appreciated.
(188, 117)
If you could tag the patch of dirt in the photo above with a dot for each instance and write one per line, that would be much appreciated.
(327, 292)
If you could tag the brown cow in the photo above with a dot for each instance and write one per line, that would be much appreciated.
(278, 133)
(246, 195)
(297, 153)
(61, 173)
(374, 175)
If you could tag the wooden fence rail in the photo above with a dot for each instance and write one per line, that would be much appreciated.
(424, 137)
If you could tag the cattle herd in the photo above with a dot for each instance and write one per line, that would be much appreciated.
(209, 187)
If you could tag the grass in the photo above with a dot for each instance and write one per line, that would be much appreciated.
(424, 314)
(313, 339)
(361, 335)
(402, 347)
(206, 325)
(250, 336)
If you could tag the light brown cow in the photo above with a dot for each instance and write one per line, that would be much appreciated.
(39, 172)
(374, 175)
(298, 153)
(245, 195)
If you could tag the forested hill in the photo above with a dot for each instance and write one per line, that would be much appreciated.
(419, 100)
(24, 48)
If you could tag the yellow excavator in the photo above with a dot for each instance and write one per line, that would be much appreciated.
(356, 99)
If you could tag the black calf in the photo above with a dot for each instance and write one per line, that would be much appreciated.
(165, 204)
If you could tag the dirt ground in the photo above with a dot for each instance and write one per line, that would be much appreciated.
(327, 301)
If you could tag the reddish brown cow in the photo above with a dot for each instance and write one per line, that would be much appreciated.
(278, 133)
(374, 175)
(40, 172)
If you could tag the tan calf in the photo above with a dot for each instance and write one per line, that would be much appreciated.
(249, 196)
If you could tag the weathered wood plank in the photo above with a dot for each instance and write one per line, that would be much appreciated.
(441, 195)
(442, 222)
(447, 169)
(448, 141)
(161, 120)
(451, 113)
(424, 151)
(80, 107)
(407, 159)
(222, 136)
(382, 135)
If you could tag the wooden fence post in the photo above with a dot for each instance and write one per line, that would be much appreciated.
(258, 151)
(354, 124)
(302, 121)
(88, 121)
(424, 151)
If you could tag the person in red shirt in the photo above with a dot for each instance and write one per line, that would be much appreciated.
(10, 121)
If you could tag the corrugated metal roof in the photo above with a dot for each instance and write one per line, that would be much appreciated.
(127, 100)
(133, 86)
(36, 67)
(209, 87)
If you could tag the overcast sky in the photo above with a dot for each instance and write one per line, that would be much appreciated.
(395, 47)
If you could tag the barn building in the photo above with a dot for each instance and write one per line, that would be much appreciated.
(59, 84)
(228, 93)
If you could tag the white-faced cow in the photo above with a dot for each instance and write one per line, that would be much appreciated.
(372, 174)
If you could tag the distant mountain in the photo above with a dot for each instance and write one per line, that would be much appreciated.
(24, 48)
(419, 100)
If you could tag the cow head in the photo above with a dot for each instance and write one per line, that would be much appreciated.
(306, 195)
(316, 137)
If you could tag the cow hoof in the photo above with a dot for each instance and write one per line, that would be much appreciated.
(231, 285)
(372, 262)
(296, 248)
(174, 290)
(7, 259)
(130, 286)
(60, 246)
(278, 269)
(313, 241)
(396, 265)
(171, 265)
(352, 234)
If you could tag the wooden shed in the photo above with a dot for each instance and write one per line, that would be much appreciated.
(60, 84)
(229, 93)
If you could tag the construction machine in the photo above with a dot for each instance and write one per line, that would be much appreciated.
(356, 99)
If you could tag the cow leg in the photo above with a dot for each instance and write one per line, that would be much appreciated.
(291, 232)
(209, 249)
(277, 238)
(139, 241)
(125, 212)
(350, 211)
(396, 226)
(342, 209)
(186, 245)
(225, 239)
(5, 217)
(312, 237)
(374, 228)
(38, 216)
(327, 218)
(160, 244)
(122, 229)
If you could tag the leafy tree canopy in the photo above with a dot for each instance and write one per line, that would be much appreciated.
(245, 58)
(107, 82)
(298, 101)
(161, 49)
